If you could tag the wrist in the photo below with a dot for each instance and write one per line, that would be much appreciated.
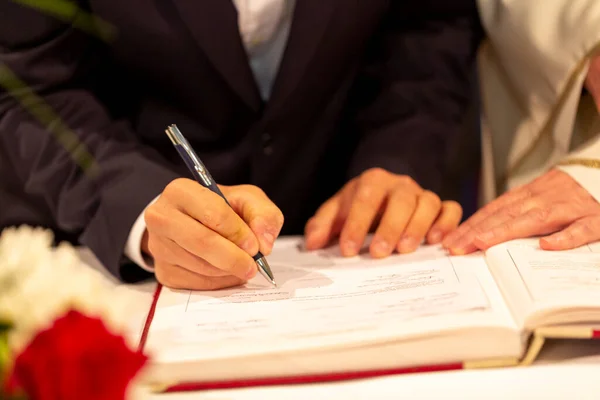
(137, 248)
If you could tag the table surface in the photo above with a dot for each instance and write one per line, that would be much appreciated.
(564, 370)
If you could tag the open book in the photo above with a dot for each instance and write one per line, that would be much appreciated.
(338, 318)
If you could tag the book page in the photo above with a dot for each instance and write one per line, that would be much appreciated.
(323, 299)
(539, 283)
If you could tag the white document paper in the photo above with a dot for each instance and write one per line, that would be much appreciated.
(322, 295)
(550, 276)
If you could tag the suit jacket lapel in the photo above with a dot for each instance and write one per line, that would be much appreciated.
(309, 22)
(213, 24)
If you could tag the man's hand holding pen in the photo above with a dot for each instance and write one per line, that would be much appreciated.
(203, 236)
(199, 242)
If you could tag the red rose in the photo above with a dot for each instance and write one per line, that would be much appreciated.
(77, 358)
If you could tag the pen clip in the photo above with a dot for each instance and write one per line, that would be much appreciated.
(178, 139)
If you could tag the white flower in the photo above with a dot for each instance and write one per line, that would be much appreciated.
(39, 283)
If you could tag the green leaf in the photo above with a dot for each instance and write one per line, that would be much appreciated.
(69, 12)
(4, 357)
(47, 116)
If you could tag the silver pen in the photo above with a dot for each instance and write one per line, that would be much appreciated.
(202, 176)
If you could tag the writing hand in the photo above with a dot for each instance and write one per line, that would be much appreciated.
(554, 204)
(198, 242)
(396, 207)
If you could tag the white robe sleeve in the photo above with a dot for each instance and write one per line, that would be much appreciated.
(541, 53)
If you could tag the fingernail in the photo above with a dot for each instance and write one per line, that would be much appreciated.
(349, 248)
(269, 238)
(408, 244)
(457, 251)
(382, 248)
(556, 239)
(435, 235)
(552, 240)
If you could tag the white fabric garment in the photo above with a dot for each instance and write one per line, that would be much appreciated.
(264, 28)
(532, 71)
(258, 20)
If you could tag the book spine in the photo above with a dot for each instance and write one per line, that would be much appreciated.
(149, 318)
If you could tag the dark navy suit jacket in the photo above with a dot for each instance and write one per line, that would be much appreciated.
(362, 84)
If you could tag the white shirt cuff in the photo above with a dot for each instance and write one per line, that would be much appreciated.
(133, 247)
(588, 178)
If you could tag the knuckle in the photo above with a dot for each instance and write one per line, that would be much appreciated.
(215, 216)
(514, 211)
(243, 237)
(175, 188)
(529, 191)
(477, 230)
(365, 194)
(453, 206)
(586, 229)
(540, 214)
(274, 217)
(403, 200)
(252, 189)
(504, 228)
(497, 231)
(486, 210)
(406, 180)
(376, 174)
(155, 219)
(431, 198)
